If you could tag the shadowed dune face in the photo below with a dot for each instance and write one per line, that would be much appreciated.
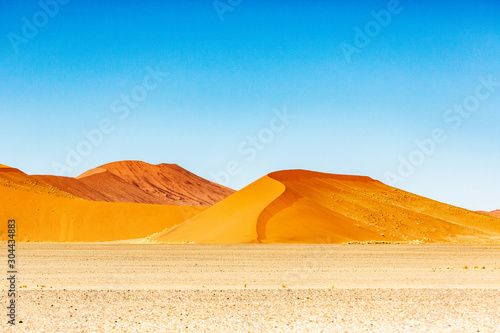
(299, 206)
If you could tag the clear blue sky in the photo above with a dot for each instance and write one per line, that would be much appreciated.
(226, 76)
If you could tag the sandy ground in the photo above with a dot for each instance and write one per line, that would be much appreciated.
(165, 288)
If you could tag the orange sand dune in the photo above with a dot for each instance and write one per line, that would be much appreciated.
(299, 206)
(495, 213)
(168, 184)
(46, 218)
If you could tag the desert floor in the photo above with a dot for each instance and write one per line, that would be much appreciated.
(241, 288)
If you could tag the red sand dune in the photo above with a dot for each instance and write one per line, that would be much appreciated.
(299, 206)
(495, 213)
(167, 184)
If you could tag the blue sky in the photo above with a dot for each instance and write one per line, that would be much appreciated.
(228, 78)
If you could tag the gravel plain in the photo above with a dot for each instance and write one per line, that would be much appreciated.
(257, 288)
(346, 310)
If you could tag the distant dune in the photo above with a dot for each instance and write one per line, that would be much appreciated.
(75, 187)
(495, 213)
(140, 182)
(18, 180)
(299, 206)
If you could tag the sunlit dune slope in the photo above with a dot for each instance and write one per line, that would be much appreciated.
(44, 217)
(495, 213)
(300, 206)
(168, 184)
